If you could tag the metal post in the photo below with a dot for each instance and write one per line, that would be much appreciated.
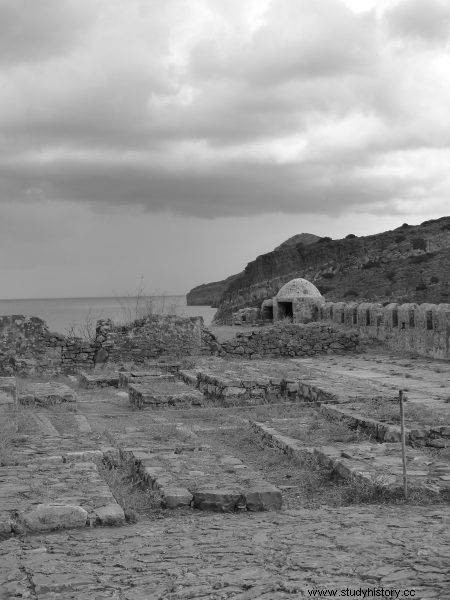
(402, 430)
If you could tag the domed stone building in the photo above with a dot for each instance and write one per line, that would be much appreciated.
(298, 300)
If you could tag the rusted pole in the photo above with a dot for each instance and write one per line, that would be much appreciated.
(402, 431)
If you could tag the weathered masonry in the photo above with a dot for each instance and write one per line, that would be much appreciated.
(420, 328)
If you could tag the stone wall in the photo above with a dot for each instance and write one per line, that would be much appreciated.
(246, 316)
(27, 346)
(423, 329)
(149, 338)
(291, 339)
(77, 354)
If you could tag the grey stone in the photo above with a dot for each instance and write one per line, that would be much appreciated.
(218, 500)
(47, 517)
(111, 514)
(174, 497)
(263, 499)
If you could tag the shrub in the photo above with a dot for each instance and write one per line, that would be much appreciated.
(420, 287)
(324, 239)
(419, 244)
(350, 236)
(351, 294)
(391, 274)
(434, 279)
(445, 227)
(400, 238)
(371, 264)
(328, 275)
(420, 258)
(404, 226)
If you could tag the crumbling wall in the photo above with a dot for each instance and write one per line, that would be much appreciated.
(27, 346)
(246, 316)
(152, 337)
(291, 339)
(423, 329)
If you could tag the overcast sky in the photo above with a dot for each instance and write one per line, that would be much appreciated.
(179, 139)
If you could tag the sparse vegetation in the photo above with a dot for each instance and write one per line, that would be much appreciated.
(371, 264)
(11, 429)
(420, 258)
(136, 499)
(391, 274)
(419, 244)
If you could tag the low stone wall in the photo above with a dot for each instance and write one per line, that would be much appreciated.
(423, 329)
(77, 354)
(262, 390)
(291, 339)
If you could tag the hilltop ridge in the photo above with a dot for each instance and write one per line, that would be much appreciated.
(408, 264)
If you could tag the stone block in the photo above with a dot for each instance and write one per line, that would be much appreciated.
(48, 517)
(268, 498)
(220, 500)
(175, 497)
(111, 514)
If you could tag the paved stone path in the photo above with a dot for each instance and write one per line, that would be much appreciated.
(271, 556)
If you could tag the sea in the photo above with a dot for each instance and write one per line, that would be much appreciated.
(77, 315)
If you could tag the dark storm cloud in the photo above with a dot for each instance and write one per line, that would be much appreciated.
(208, 109)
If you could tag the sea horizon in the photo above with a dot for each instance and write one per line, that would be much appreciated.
(64, 315)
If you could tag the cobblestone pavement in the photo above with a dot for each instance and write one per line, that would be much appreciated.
(188, 554)
(240, 556)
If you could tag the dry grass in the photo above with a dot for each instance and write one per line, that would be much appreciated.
(309, 484)
(12, 426)
(387, 410)
(134, 497)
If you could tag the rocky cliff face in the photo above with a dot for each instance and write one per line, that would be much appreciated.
(210, 294)
(408, 264)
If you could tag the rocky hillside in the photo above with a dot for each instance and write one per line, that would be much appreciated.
(407, 264)
(209, 294)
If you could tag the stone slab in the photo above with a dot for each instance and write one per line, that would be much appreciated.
(205, 480)
(130, 377)
(163, 394)
(46, 394)
(98, 379)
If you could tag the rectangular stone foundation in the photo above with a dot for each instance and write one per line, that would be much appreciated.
(228, 391)
(52, 492)
(46, 394)
(204, 480)
(98, 379)
(373, 464)
(163, 394)
(127, 377)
